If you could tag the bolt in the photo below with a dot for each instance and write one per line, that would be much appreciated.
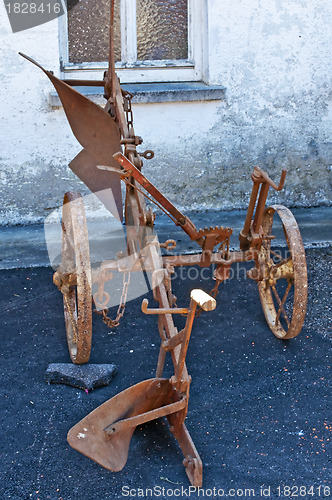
(188, 461)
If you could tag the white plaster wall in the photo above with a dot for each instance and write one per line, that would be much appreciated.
(35, 140)
(274, 59)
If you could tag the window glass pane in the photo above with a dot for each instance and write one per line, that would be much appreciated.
(162, 29)
(88, 30)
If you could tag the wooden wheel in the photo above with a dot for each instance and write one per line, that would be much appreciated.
(76, 278)
(283, 290)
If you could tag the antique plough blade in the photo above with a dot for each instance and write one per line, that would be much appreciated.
(99, 135)
(105, 434)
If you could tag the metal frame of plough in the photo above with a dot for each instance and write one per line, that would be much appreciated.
(104, 435)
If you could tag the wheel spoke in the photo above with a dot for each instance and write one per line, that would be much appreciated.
(281, 306)
(285, 261)
(283, 269)
(283, 301)
(276, 254)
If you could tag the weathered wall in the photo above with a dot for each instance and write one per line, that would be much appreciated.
(273, 57)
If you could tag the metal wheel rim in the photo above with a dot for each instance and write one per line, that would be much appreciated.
(76, 259)
(300, 287)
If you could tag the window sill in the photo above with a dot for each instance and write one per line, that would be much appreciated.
(155, 92)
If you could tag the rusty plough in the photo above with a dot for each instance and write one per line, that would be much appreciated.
(110, 156)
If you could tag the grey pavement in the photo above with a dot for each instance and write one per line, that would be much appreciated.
(25, 246)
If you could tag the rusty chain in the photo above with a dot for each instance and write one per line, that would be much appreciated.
(127, 97)
(114, 323)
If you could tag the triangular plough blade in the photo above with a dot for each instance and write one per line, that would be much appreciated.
(111, 451)
(96, 131)
(99, 182)
(92, 126)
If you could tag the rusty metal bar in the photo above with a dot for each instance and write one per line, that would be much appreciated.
(84, 83)
(207, 303)
(260, 206)
(262, 176)
(168, 345)
(170, 329)
(250, 212)
(111, 61)
(181, 219)
(261, 180)
(216, 258)
(185, 343)
(169, 310)
(142, 418)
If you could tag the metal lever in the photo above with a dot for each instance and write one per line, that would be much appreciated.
(200, 298)
(175, 310)
(123, 173)
(259, 175)
(142, 418)
(207, 303)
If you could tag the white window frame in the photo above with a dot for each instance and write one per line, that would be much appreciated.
(133, 71)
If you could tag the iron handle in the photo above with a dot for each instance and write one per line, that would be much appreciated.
(259, 175)
(174, 310)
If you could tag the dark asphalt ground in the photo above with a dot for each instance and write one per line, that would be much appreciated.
(260, 410)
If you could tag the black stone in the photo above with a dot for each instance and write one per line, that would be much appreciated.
(86, 377)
